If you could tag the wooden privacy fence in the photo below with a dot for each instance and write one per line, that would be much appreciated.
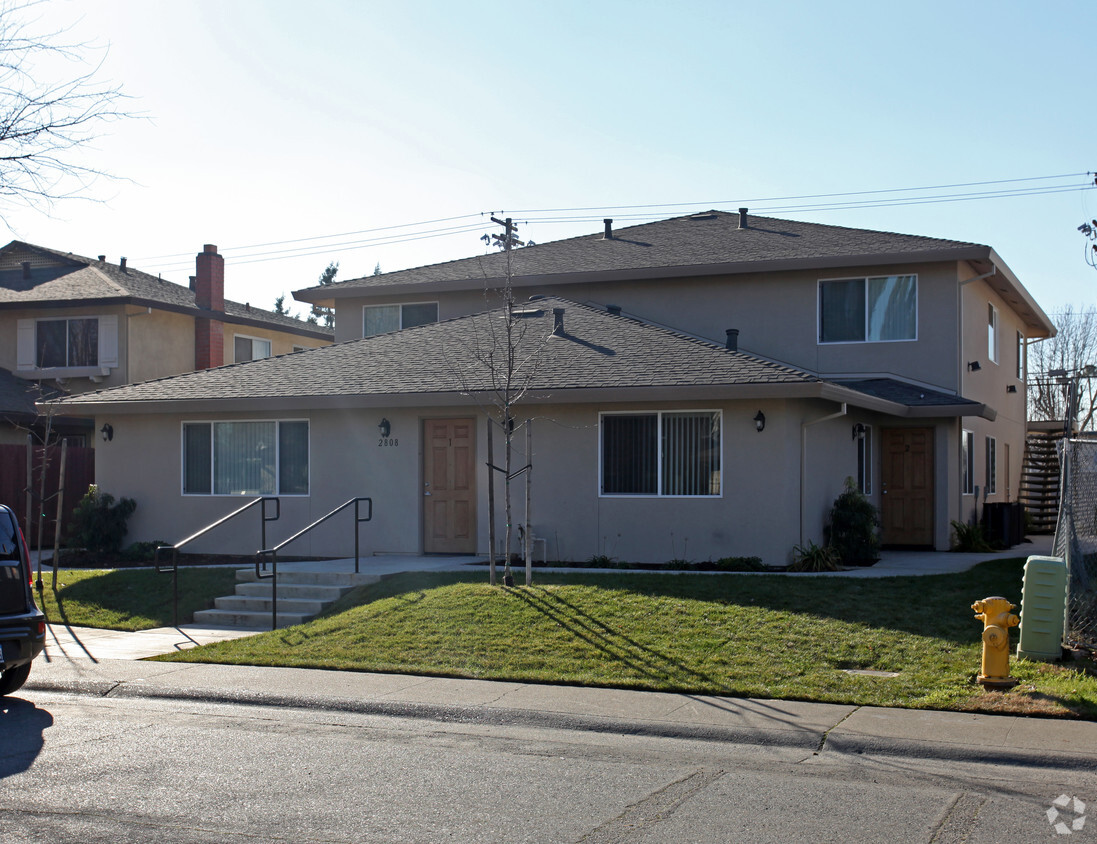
(79, 474)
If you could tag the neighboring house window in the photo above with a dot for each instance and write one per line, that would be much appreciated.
(864, 462)
(992, 465)
(381, 319)
(968, 462)
(1020, 356)
(992, 333)
(249, 348)
(862, 310)
(661, 454)
(246, 458)
(73, 343)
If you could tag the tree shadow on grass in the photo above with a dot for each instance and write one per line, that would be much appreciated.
(639, 658)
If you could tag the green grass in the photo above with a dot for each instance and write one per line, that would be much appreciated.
(758, 636)
(128, 599)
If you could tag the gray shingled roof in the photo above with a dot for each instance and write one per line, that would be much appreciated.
(59, 277)
(697, 241)
(18, 395)
(597, 350)
(903, 393)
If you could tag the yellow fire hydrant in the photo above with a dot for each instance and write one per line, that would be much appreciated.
(996, 615)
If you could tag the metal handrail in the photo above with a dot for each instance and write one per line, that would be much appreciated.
(260, 563)
(174, 568)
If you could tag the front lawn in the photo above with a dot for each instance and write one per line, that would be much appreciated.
(128, 599)
(754, 636)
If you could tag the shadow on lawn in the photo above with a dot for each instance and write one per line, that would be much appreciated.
(642, 659)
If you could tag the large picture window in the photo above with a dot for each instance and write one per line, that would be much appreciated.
(246, 458)
(860, 310)
(381, 319)
(661, 454)
(67, 342)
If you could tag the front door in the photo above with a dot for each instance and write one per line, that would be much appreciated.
(449, 486)
(906, 476)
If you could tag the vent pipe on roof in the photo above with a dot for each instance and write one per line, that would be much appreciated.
(742, 218)
(732, 343)
(557, 322)
(102, 258)
(122, 264)
(193, 279)
(614, 309)
(26, 269)
(609, 229)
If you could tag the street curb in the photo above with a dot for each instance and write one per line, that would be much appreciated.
(815, 741)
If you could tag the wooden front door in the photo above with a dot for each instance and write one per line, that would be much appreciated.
(449, 486)
(906, 478)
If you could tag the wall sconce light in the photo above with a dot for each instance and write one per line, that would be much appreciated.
(760, 421)
(107, 431)
(859, 431)
(1011, 388)
(384, 427)
(974, 366)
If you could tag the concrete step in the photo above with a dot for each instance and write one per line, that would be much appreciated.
(252, 620)
(315, 578)
(293, 590)
(245, 603)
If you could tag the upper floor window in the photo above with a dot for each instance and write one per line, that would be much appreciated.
(992, 333)
(661, 454)
(1020, 356)
(85, 346)
(860, 310)
(249, 348)
(381, 319)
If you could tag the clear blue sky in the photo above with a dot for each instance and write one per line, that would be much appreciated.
(278, 121)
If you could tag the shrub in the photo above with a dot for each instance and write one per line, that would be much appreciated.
(98, 523)
(852, 528)
(969, 538)
(739, 564)
(812, 557)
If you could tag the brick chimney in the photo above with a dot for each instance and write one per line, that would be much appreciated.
(209, 295)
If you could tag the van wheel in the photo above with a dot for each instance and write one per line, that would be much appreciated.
(13, 679)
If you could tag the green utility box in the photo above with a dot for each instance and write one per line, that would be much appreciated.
(1043, 605)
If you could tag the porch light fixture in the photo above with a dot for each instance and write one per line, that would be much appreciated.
(974, 366)
(107, 431)
(859, 431)
(384, 427)
(760, 421)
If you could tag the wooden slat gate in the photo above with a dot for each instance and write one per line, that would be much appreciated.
(79, 474)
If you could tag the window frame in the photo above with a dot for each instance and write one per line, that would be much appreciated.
(659, 438)
(992, 466)
(864, 461)
(967, 462)
(1021, 357)
(865, 292)
(993, 330)
(401, 306)
(213, 464)
(254, 340)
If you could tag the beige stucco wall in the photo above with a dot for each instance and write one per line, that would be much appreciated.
(776, 314)
(158, 343)
(758, 513)
(281, 342)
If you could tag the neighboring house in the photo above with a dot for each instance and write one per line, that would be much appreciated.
(893, 359)
(78, 324)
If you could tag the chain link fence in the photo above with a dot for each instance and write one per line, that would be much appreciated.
(1076, 537)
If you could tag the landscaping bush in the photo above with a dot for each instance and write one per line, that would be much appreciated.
(969, 538)
(853, 528)
(98, 523)
(812, 557)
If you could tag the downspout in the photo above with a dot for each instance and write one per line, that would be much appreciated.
(804, 459)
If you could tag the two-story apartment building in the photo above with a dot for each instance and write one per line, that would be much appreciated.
(699, 387)
(74, 324)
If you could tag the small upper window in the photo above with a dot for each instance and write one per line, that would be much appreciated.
(381, 319)
(1020, 356)
(868, 309)
(992, 333)
(250, 348)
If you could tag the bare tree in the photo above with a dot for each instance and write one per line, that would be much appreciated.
(1070, 351)
(45, 122)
